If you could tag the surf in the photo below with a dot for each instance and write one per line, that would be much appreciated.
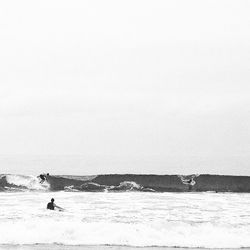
(201, 220)
(127, 183)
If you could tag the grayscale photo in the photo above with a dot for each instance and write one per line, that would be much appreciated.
(124, 125)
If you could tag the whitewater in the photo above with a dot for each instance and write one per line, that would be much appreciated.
(141, 219)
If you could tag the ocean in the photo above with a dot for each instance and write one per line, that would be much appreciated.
(123, 215)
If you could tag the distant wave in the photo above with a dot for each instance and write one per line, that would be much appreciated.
(126, 183)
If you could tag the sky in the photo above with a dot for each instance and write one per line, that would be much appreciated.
(135, 86)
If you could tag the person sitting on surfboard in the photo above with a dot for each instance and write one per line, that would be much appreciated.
(51, 205)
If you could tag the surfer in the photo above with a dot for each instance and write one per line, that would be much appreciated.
(51, 205)
(42, 177)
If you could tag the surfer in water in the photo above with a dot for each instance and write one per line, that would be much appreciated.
(42, 177)
(51, 205)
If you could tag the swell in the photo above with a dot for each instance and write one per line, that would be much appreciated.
(159, 183)
(129, 182)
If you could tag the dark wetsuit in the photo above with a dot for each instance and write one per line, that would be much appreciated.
(50, 206)
(42, 176)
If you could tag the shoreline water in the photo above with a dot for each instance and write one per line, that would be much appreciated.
(127, 220)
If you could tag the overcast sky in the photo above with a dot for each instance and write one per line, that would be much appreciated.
(131, 86)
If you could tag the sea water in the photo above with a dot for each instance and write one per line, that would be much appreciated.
(209, 220)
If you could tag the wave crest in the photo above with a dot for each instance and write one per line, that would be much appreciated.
(23, 182)
(128, 182)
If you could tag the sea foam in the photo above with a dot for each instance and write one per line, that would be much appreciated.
(27, 181)
(206, 220)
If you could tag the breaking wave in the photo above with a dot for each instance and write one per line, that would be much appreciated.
(21, 183)
(127, 183)
(29, 182)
